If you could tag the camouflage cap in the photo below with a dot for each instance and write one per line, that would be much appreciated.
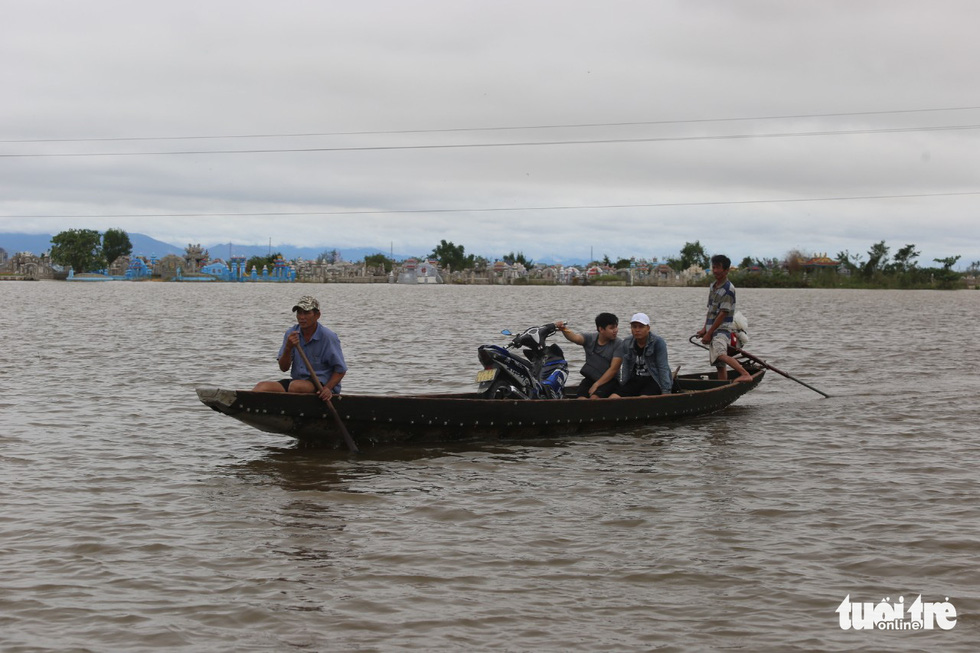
(307, 303)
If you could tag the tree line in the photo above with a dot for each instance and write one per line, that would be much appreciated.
(451, 256)
(87, 250)
(881, 269)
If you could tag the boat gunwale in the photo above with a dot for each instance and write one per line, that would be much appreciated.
(717, 385)
(439, 417)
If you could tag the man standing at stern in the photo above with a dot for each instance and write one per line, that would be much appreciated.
(322, 347)
(717, 329)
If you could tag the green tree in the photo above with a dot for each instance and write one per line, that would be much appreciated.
(115, 243)
(452, 257)
(691, 254)
(904, 260)
(258, 262)
(513, 258)
(947, 262)
(623, 263)
(694, 254)
(746, 263)
(379, 261)
(947, 277)
(877, 259)
(850, 261)
(79, 249)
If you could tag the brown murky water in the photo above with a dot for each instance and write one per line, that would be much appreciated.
(132, 518)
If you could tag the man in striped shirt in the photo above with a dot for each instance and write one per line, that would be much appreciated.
(718, 327)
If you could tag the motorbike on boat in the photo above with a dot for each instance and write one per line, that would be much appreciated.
(541, 374)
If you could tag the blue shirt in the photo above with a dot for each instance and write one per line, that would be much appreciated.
(324, 352)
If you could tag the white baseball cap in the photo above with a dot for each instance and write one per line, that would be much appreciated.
(641, 318)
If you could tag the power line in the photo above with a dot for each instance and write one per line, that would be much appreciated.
(504, 209)
(604, 141)
(493, 128)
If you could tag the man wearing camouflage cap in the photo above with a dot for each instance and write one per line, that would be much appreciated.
(322, 347)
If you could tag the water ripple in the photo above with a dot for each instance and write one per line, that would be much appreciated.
(135, 519)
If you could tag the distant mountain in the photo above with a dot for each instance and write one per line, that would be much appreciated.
(33, 243)
(143, 245)
(224, 250)
(558, 260)
(40, 243)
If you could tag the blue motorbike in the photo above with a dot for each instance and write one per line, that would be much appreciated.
(540, 374)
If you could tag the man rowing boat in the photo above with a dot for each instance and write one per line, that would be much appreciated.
(322, 347)
(718, 323)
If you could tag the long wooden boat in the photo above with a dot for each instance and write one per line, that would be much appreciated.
(405, 419)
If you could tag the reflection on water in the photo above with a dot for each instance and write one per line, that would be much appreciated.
(134, 518)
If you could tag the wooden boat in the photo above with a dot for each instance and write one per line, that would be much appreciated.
(406, 419)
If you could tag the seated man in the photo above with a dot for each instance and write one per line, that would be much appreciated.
(321, 346)
(599, 350)
(641, 362)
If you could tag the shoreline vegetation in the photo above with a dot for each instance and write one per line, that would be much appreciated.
(108, 256)
(965, 282)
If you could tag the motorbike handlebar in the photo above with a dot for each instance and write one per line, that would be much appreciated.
(517, 339)
(544, 331)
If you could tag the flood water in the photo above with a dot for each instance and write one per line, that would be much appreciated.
(133, 518)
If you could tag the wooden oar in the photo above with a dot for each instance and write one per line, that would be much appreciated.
(319, 388)
(763, 363)
(777, 370)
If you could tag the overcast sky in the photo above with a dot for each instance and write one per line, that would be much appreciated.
(555, 128)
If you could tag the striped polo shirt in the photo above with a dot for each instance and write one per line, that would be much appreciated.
(721, 299)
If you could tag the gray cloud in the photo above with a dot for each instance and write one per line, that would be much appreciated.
(118, 69)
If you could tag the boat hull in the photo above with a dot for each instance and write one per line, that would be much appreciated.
(407, 419)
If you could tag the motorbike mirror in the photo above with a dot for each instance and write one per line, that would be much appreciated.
(506, 332)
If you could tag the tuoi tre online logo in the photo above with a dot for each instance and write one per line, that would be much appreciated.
(896, 616)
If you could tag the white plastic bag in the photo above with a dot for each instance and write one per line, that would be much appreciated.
(741, 324)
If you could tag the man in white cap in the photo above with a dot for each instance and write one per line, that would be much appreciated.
(322, 347)
(641, 362)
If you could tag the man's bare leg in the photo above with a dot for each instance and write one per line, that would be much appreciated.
(743, 376)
